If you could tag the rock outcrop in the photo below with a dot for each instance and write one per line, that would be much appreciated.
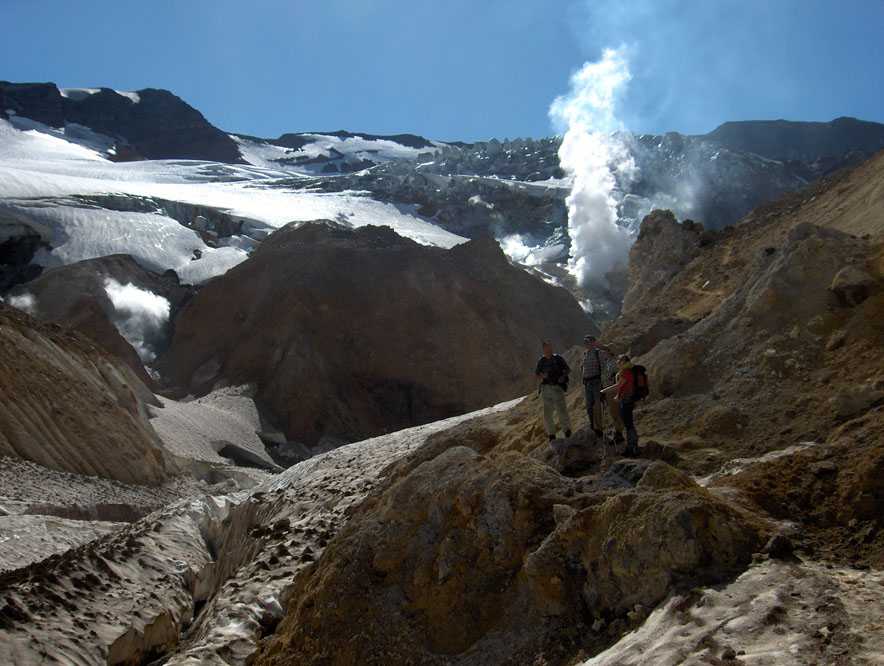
(351, 332)
(473, 558)
(69, 406)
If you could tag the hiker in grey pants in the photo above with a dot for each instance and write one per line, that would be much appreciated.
(552, 371)
(595, 362)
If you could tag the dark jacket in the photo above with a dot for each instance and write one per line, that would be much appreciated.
(555, 368)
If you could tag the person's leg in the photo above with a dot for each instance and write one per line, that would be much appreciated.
(549, 407)
(562, 410)
(626, 413)
(589, 395)
(593, 389)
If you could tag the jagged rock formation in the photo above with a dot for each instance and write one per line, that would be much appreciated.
(69, 406)
(349, 332)
(157, 126)
(76, 296)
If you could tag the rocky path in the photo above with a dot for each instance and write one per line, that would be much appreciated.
(27, 539)
(200, 581)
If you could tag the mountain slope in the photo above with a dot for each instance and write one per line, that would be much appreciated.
(787, 303)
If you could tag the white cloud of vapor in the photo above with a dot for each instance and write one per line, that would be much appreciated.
(518, 249)
(141, 316)
(24, 302)
(599, 160)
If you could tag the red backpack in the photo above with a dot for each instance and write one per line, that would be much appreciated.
(640, 382)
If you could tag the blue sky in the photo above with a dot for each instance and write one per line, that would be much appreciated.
(458, 69)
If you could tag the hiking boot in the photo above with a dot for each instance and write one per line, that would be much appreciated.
(567, 434)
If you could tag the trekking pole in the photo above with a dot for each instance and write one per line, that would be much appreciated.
(602, 408)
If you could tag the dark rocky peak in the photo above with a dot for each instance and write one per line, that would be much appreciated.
(38, 101)
(484, 251)
(159, 126)
(805, 141)
(150, 124)
(331, 234)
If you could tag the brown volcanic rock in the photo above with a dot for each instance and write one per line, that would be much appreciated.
(662, 249)
(473, 559)
(69, 406)
(75, 296)
(351, 332)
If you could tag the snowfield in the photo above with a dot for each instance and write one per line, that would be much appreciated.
(355, 148)
(41, 168)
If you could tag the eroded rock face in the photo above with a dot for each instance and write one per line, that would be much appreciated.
(498, 559)
(69, 406)
(348, 332)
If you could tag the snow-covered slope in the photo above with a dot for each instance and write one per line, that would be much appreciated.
(46, 172)
(341, 152)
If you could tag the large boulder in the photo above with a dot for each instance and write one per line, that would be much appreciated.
(349, 333)
(67, 405)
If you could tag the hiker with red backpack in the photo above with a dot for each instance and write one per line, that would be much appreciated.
(631, 386)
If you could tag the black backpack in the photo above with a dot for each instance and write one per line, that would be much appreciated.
(640, 382)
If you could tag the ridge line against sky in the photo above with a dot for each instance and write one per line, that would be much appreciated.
(459, 70)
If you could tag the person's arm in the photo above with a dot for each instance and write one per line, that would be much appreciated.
(538, 372)
(566, 370)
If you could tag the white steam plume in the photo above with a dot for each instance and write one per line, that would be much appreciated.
(598, 160)
(141, 316)
(24, 302)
